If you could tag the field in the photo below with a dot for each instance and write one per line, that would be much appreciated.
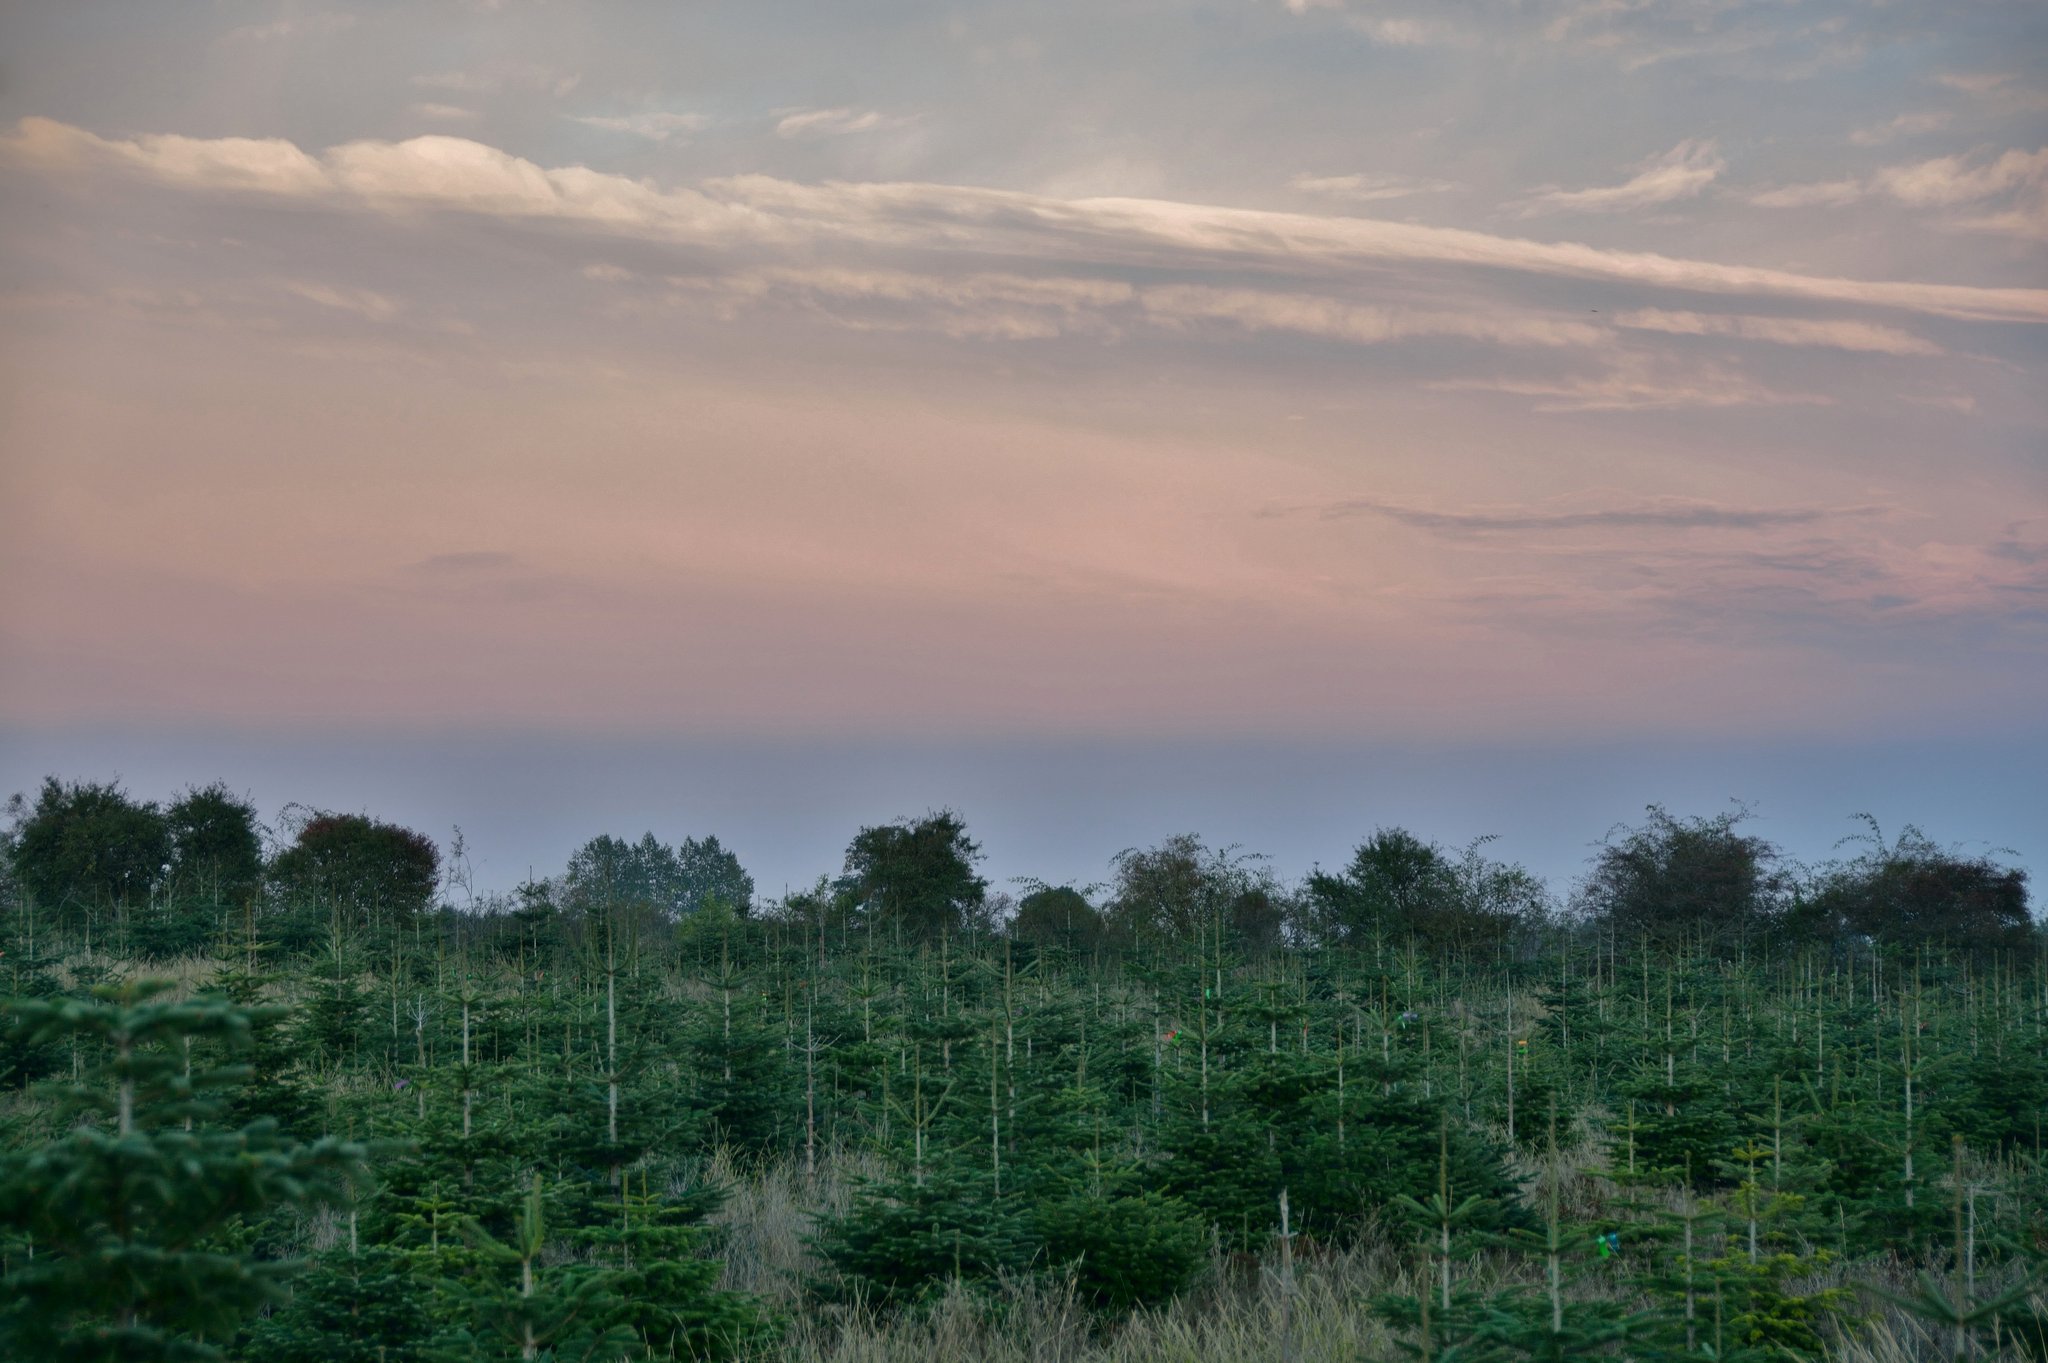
(581, 1124)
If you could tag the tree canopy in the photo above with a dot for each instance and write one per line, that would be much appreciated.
(1671, 880)
(86, 843)
(916, 874)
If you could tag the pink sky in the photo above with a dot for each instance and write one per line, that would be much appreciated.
(531, 393)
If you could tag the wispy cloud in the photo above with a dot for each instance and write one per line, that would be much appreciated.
(1634, 383)
(1833, 334)
(1670, 513)
(1400, 31)
(1680, 173)
(655, 127)
(1020, 307)
(1364, 188)
(500, 77)
(836, 122)
(1905, 125)
(364, 303)
(453, 174)
(1308, 315)
(1974, 82)
(1948, 180)
(1944, 182)
(446, 113)
(1817, 194)
(320, 23)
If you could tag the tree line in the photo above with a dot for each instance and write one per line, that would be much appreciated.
(161, 880)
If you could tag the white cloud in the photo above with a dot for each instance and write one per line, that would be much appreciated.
(1834, 334)
(1011, 306)
(491, 80)
(1905, 125)
(1822, 194)
(835, 122)
(1947, 180)
(1332, 319)
(1368, 188)
(1399, 32)
(655, 127)
(457, 175)
(1633, 384)
(2019, 177)
(1974, 82)
(984, 306)
(447, 113)
(320, 24)
(363, 303)
(1680, 173)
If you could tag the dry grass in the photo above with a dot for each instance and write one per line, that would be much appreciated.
(1238, 1313)
(1245, 1320)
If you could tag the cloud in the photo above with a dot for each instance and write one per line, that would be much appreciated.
(1974, 82)
(480, 576)
(1837, 335)
(449, 113)
(1948, 180)
(1680, 173)
(982, 306)
(1905, 125)
(2020, 177)
(363, 303)
(320, 24)
(1821, 194)
(1019, 307)
(1633, 383)
(835, 122)
(1310, 315)
(494, 79)
(655, 127)
(1398, 32)
(1667, 513)
(456, 175)
(1368, 188)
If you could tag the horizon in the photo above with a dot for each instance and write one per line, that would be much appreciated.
(1059, 813)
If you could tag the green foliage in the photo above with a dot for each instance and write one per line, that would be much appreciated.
(1113, 1101)
(86, 844)
(216, 852)
(1058, 916)
(376, 1305)
(710, 876)
(1916, 893)
(1676, 880)
(667, 1291)
(129, 1209)
(905, 1237)
(519, 1306)
(1273, 1124)
(1394, 886)
(373, 875)
(1182, 889)
(917, 875)
(1399, 888)
(1137, 1250)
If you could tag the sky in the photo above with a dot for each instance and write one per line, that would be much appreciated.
(1286, 416)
